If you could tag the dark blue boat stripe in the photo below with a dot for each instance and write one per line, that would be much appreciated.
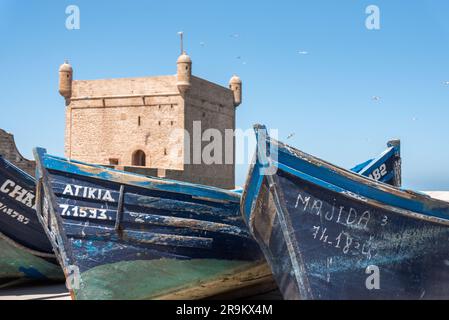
(86, 213)
(73, 189)
(169, 210)
(143, 237)
(365, 186)
(357, 197)
(111, 175)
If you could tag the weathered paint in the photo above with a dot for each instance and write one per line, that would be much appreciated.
(137, 237)
(320, 228)
(20, 229)
(18, 263)
(162, 278)
(386, 167)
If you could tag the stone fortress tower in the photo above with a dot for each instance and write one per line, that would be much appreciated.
(138, 124)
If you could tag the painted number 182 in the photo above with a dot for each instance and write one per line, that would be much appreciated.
(379, 172)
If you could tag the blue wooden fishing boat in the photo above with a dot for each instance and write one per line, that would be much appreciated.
(25, 251)
(121, 235)
(329, 233)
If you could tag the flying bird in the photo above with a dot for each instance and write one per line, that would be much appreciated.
(376, 98)
(291, 135)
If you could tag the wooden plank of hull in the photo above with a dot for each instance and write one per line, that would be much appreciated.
(319, 238)
(26, 250)
(249, 281)
(134, 242)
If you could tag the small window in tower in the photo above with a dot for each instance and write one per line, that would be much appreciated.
(160, 122)
(139, 121)
(171, 106)
(113, 161)
(165, 152)
(172, 122)
(187, 67)
(139, 158)
(204, 114)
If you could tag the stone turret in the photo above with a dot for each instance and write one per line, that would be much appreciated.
(65, 80)
(235, 84)
(184, 73)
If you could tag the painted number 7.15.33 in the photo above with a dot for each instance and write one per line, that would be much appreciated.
(90, 213)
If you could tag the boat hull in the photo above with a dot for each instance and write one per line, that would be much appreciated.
(331, 234)
(26, 251)
(138, 240)
(333, 251)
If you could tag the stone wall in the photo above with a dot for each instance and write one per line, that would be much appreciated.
(9, 151)
(108, 120)
(213, 106)
(98, 130)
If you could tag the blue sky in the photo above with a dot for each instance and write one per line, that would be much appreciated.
(324, 97)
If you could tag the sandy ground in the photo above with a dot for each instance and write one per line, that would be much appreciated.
(20, 290)
(441, 195)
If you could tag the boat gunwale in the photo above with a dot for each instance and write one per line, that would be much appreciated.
(347, 174)
(404, 195)
(363, 199)
(269, 140)
(6, 164)
(397, 191)
(213, 194)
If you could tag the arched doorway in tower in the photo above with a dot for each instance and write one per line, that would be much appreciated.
(139, 158)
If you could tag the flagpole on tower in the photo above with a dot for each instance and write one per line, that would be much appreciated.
(181, 36)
